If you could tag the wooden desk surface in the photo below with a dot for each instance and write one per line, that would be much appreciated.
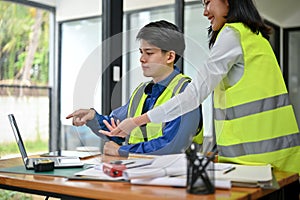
(59, 186)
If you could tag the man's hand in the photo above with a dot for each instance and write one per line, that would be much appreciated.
(111, 148)
(81, 116)
(122, 130)
(112, 125)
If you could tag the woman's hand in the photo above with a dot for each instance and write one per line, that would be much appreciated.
(121, 129)
(126, 126)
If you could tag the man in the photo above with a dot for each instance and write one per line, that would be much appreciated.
(161, 45)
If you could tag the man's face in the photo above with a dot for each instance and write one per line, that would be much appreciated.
(155, 63)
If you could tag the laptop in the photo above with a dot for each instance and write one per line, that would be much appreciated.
(59, 162)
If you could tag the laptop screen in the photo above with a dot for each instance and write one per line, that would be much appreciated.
(17, 134)
(71, 161)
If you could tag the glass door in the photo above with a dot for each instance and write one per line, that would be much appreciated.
(292, 71)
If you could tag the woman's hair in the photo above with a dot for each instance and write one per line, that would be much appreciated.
(243, 11)
(163, 35)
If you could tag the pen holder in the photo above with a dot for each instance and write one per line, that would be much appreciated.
(200, 172)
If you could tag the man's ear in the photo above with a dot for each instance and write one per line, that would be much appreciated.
(171, 56)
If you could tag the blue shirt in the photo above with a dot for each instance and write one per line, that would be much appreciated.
(185, 125)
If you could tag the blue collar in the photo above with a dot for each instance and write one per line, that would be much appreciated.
(161, 85)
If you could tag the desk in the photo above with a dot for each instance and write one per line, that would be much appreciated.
(61, 187)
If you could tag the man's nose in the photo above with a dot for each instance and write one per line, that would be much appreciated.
(142, 58)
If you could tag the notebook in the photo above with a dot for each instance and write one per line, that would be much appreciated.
(248, 175)
(59, 162)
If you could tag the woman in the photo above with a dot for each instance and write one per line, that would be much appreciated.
(253, 119)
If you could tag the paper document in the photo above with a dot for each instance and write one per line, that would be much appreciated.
(133, 163)
(222, 166)
(177, 181)
(171, 170)
(166, 165)
(96, 173)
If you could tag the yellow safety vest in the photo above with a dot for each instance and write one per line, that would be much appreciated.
(254, 120)
(137, 100)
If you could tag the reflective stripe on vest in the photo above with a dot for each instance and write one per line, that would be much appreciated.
(254, 120)
(152, 130)
(252, 107)
(260, 146)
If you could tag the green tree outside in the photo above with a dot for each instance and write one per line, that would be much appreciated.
(24, 44)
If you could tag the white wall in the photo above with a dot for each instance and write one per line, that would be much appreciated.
(74, 9)
(145, 4)
(285, 14)
(292, 20)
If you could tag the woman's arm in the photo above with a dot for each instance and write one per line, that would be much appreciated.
(223, 55)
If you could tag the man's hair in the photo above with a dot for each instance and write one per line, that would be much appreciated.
(165, 36)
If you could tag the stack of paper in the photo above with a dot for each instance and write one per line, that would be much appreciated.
(95, 171)
(176, 181)
(167, 170)
(171, 170)
(167, 165)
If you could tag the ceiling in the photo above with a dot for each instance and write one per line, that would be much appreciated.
(282, 13)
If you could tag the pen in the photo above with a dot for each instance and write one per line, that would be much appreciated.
(229, 170)
(120, 162)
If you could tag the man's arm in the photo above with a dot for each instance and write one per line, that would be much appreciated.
(97, 124)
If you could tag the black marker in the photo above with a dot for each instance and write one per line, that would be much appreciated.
(229, 170)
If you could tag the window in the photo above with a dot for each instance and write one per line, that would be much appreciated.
(135, 21)
(291, 67)
(25, 34)
(196, 53)
(80, 72)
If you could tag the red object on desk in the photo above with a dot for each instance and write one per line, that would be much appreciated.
(113, 170)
